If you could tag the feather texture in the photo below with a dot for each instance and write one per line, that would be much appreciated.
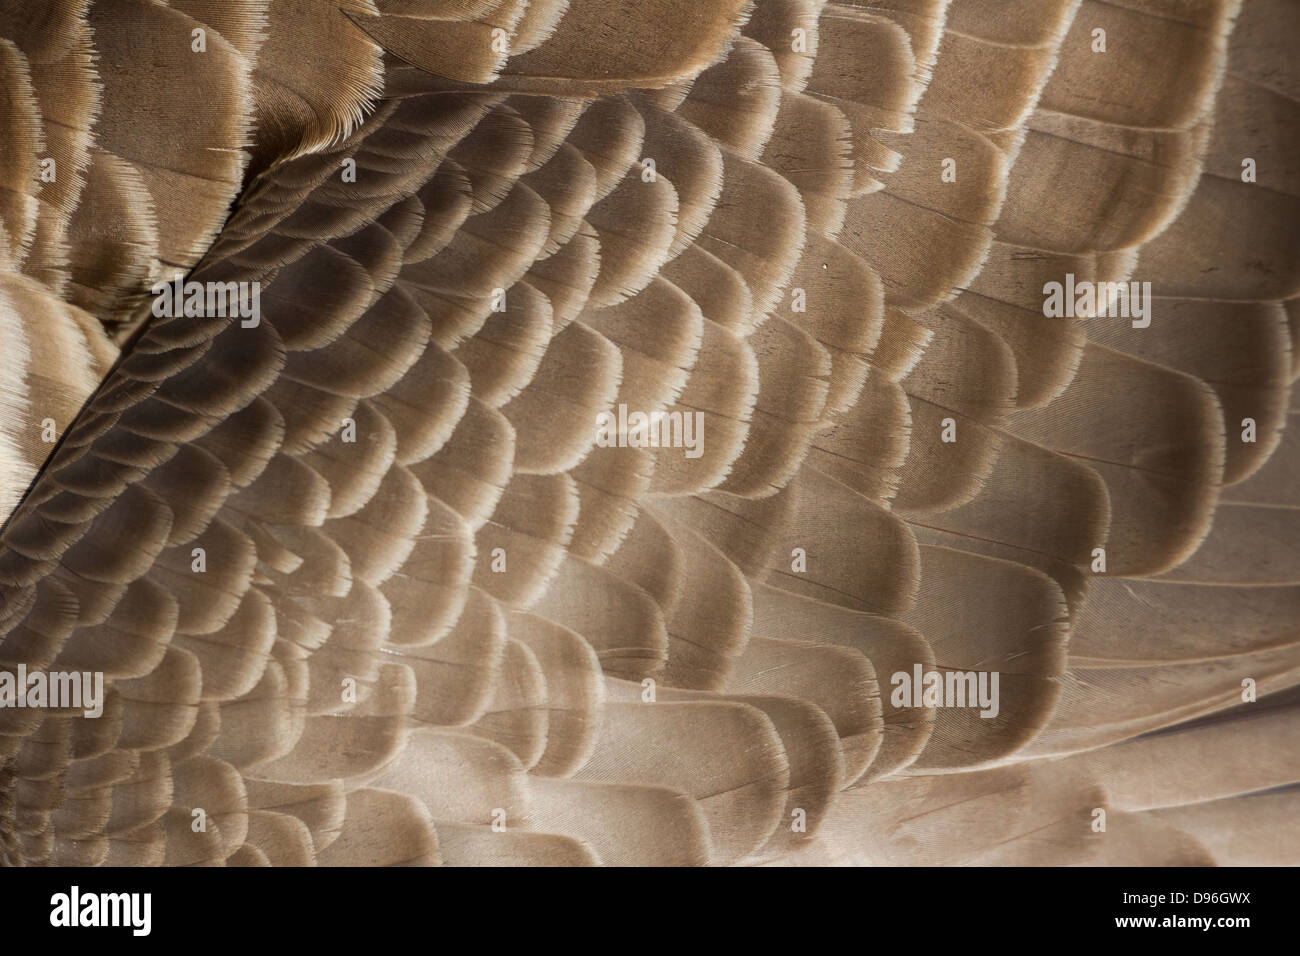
(651, 441)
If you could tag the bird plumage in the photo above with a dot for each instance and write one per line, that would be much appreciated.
(366, 588)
